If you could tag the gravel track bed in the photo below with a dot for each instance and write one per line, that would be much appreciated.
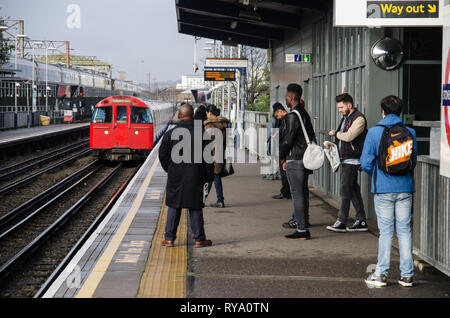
(40, 167)
(27, 279)
(15, 159)
(45, 181)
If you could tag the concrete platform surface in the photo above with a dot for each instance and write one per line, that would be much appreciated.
(8, 137)
(250, 256)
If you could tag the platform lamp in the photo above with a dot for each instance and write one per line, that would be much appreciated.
(32, 83)
(17, 84)
(47, 88)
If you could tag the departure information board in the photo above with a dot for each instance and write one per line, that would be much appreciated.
(220, 76)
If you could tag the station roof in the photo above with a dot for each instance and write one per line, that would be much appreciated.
(247, 22)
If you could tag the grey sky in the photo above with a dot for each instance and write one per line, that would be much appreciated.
(120, 32)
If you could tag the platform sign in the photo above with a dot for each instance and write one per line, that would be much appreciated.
(380, 13)
(382, 9)
(445, 109)
(220, 76)
(227, 63)
(298, 58)
(68, 115)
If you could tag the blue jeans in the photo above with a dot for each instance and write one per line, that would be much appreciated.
(219, 187)
(394, 208)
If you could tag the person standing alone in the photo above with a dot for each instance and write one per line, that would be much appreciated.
(186, 178)
(389, 156)
(350, 136)
(292, 148)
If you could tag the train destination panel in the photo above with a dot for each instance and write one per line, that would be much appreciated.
(220, 76)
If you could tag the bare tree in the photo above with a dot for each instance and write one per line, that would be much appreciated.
(257, 85)
(5, 48)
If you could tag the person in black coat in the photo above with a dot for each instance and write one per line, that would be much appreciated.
(292, 148)
(187, 175)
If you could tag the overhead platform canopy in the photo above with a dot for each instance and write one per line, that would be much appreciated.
(248, 22)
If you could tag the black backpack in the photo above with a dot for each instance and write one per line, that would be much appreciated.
(395, 154)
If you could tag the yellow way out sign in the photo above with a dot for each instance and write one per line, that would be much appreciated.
(379, 9)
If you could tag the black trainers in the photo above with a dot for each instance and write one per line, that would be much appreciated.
(291, 224)
(338, 226)
(406, 281)
(358, 226)
(374, 280)
(299, 235)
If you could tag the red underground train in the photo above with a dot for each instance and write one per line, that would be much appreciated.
(125, 128)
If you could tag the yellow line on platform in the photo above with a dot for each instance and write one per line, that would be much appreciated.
(94, 278)
(165, 272)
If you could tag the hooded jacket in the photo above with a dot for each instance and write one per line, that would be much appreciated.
(386, 183)
(220, 123)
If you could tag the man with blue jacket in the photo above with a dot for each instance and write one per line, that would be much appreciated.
(393, 197)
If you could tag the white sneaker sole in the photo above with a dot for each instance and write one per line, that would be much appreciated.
(357, 230)
(375, 283)
(405, 284)
(330, 228)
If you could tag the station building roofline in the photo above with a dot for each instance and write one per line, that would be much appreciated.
(231, 20)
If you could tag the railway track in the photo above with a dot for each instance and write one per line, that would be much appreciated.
(53, 225)
(27, 179)
(10, 171)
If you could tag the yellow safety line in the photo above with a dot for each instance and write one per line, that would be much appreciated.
(94, 278)
(165, 272)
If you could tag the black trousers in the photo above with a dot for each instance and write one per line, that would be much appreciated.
(197, 224)
(298, 180)
(285, 188)
(350, 192)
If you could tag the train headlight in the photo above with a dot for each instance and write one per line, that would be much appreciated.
(106, 132)
(136, 132)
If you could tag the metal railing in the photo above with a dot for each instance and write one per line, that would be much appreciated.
(431, 227)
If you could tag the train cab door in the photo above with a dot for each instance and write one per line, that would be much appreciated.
(121, 124)
(102, 128)
(141, 128)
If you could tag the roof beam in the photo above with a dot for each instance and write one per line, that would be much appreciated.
(222, 36)
(231, 26)
(318, 5)
(261, 17)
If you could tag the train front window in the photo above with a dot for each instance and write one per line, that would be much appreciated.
(141, 115)
(102, 115)
(121, 114)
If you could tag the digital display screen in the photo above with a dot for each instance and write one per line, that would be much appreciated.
(220, 76)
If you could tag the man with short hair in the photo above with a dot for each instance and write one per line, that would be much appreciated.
(393, 194)
(186, 180)
(285, 192)
(350, 137)
(292, 148)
